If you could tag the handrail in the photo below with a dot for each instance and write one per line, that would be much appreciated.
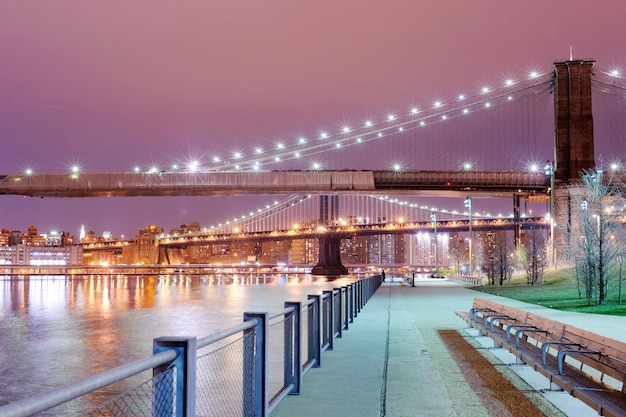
(283, 312)
(47, 400)
(216, 337)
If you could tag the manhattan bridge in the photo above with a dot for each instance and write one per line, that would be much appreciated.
(359, 179)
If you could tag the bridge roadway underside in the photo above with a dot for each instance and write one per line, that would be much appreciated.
(421, 183)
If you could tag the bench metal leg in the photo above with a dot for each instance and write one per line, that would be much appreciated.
(519, 332)
(493, 317)
(515, 326)
(565, 352)
(546, 345)
(473, 312)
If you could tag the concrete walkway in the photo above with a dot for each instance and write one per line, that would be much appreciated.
(391, 361)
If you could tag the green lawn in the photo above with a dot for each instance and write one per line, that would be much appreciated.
(558, 291)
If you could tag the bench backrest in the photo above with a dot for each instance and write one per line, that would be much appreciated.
(611, 359)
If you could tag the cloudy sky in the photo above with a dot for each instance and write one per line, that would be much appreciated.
(110, 84)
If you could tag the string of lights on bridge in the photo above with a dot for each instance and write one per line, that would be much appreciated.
(351, 134)
(279, 206)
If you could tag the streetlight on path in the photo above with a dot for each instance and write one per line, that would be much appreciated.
(468, 204)
(433, 216)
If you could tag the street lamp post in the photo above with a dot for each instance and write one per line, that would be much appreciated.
(468, 204)
(550, 171)
(433, 216)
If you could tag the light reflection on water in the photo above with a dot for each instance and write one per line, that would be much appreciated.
(56, 330)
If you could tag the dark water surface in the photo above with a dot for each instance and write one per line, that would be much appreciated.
(56, 330)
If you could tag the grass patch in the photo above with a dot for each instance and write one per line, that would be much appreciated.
(558, 291)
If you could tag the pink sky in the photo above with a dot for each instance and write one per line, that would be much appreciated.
(113, 83)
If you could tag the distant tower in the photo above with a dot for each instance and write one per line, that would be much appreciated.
(82, 233)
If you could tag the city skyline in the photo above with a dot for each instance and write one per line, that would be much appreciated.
(113, 85)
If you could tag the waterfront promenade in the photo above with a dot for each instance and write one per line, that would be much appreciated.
(392, 362)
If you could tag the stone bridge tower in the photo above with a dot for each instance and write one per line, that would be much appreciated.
(573, 142)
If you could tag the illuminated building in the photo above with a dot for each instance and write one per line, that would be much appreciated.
(304, 251)
(147, 245)
(356, 250)
(41, 255)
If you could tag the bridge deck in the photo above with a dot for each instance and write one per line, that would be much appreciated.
(434, 183)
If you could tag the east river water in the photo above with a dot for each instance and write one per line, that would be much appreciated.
(57, 330)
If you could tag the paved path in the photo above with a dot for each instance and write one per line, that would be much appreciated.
(413, 374)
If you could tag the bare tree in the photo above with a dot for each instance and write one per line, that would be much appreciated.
(535, 251)
(498, 262)
(457, 253)
(594, 233)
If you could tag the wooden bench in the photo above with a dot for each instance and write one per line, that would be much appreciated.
(588, 366)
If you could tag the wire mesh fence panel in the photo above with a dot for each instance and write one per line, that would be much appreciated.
(154, 397)
(326, 321)
(304, 326)
(276, 356)
(289, 354)
(220, 379)
(338, 313)
(310, 334)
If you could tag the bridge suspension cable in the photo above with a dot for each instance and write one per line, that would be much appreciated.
(303, 212)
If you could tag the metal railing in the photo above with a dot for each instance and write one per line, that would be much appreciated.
(245, 370)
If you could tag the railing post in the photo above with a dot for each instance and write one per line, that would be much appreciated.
(366, 284)
(346, 306)
(185, 364)
(261, 361)
(315, 342)
(295, 362)
(329, 320)
(339, 317)
(351, 296)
